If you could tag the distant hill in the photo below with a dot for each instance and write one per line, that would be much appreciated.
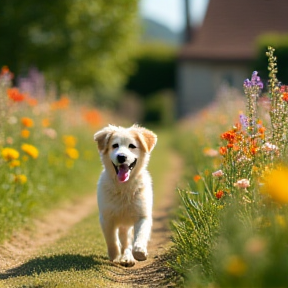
(154, 31)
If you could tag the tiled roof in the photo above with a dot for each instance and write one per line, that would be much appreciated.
(230, 28)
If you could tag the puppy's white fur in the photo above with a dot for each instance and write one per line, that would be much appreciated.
(125, 193)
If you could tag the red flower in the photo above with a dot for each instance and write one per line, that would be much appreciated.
(229, 136)
(15, 95)
(219, 194)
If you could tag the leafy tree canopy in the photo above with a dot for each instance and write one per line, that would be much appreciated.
(77, 43)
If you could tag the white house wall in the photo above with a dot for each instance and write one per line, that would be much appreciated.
(198, 82)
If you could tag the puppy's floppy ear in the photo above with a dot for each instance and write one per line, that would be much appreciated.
(102, 137)
(147, 138)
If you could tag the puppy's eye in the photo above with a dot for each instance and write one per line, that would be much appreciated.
(116, 145)
(132, 146)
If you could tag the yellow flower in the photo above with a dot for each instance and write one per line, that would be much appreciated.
(25, 133)
(14, 163)
(236, 266)
(72, 153)
(275, 185)
(21, 178)
(10, 154)
(30, 150)
(27, 122)
(69, 141)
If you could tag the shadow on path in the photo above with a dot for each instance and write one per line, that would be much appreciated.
(60, 263)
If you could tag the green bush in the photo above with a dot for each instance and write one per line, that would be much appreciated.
(156, 65)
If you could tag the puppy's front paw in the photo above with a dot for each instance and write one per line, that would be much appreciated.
(139, 252)
(127, 259)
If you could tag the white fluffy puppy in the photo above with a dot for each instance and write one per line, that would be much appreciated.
(125, 193)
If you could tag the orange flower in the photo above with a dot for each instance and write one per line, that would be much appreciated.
(196, 178)
(93, 117)
(229, 136)
(15, 95)
(285, 96)
(230, 145)
(222, 150)
(27, 122)
(6, 72)
(62, 103)
(45, 122)
(253, 150)
(31, 101)
(25, 133)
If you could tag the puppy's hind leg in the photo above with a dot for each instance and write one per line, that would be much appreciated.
(126, 239)
(111, 236)
(142, 230)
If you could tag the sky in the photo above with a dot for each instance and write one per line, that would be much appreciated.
(171, 12)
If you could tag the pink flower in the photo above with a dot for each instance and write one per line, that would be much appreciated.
(243, 183)
(218, 173)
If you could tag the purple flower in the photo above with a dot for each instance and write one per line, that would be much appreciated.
(244, 121)
(255, 81)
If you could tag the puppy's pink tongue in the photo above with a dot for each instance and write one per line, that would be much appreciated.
(123, 173)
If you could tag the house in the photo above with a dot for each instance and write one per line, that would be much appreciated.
(224, 48)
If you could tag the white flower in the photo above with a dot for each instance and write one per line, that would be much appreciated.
(269, 147)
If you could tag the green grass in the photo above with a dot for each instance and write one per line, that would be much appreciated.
(79, 259)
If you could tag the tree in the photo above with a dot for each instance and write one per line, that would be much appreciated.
(76, 43)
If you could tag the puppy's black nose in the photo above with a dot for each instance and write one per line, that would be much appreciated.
(121, 158)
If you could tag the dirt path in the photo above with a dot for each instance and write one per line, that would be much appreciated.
(25, 244)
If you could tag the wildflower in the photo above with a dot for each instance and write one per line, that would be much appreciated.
(72, 153)
(243, 183)
(255, 246)
(229, 136)
(69, 141)
(51, 133)
(93, 117)
(222, 150)
(31, 150)
(285, 96)
(253, 149)
(236, 266)
(20, 178)
(5, 74)
(25, 133)
(244, 121)
(15, 95)
(269, 147)
(196, 178)
(9, 154)
(219, 194)
(60, 104)
(31, 101)
(27, 122)
(14, 163)
(218, 173)
(275, 185)
(255, 81)
(9, 140)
